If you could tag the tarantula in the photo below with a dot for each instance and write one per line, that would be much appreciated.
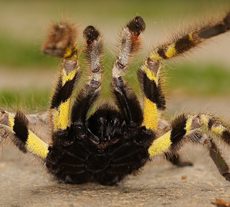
(113, 142)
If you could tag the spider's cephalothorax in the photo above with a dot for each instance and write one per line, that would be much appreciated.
(113, 142)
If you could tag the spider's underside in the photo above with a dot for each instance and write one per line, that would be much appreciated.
(115, 142)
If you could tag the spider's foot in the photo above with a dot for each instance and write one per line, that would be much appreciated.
(136, 25)
(60, 41)
(184, 164)
(226, 176)
(175, 159)
(90, 34)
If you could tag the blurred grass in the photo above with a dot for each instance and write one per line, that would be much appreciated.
(190, 79)
(201, 80)
(193, 80)
(17, 53)
(27, 100)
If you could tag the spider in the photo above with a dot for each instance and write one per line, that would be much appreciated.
(113, 142)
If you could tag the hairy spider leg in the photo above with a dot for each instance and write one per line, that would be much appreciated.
(154, 100)
(61, 101)
(125, 97)
(89, 94)
(193, 128)
(149, 74)
(24, 138)
(62, 98)
(190, 40)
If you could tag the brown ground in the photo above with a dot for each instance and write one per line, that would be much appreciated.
(25, 182)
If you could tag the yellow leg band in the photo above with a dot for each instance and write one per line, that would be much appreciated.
(36, 146)
(171, 51)
(61, 115)
(150, 114)
(66, 77)
(160, 145)
(33, 144)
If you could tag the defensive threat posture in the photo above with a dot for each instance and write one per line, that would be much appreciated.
(107, 145)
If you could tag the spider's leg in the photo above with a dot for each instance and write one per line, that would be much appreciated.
(193, 128)
(125, 98)
(91, 90)
(175, 159)
(16, 127)
(219, 160)
(154, 100)
(190, 40)
(172, 156)
(149, 74)
(61, 43)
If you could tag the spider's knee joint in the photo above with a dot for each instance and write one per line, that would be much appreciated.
(153, 65)
(69, 65)
(94, 84)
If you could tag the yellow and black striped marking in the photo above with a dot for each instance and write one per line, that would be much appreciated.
(149, 75)
(154, 100)
(193, 128)
(152, 90)
(26, 139)
(185, 125)
(64, 90)
(190, 40)
(62, 98)
(60, 43)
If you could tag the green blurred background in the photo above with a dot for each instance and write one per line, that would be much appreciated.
(27, 76)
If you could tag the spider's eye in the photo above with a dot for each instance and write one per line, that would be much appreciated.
(101, 120)
(115, 122)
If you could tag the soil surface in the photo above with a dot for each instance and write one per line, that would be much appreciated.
(25, 182)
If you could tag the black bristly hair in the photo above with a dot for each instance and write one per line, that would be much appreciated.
(137, 25)
(91, 34)
(105, 150)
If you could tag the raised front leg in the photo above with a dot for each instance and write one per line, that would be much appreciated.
(90, 91)
(61, 43)
(175, 159)
(150, 76)
(125, 97)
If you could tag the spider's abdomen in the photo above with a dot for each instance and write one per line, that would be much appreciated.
(79, 160)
